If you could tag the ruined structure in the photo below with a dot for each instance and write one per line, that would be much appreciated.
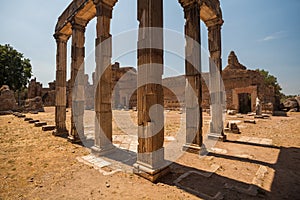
(7, 99)
(34, 89)
(242, 87)
(150, 159)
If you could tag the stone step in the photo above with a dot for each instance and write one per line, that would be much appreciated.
(33, 121)
(39, 124)
(48, 128)
(21, 116)
(28, 119)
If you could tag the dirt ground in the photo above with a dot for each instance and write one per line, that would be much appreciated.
(36, 165)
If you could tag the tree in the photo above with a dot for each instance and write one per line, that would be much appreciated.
(15, 70)
(271, 80)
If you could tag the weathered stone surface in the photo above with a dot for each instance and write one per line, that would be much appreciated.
(35, 104)
(7, 99)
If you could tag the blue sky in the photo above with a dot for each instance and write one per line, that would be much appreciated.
(263, 33)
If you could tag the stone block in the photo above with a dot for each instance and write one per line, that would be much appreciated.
(39, 124)
(48, 127)
(33, 121)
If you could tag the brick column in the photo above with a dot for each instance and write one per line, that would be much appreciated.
(216, 90)
(60, 85)
(103, 77)
(150, 160)
(193, 90)
(77, 80)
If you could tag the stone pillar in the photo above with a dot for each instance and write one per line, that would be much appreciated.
(216, 87)
(150, 159)
(193, 90)
(60, 87)
(77, 80)
(103, 76)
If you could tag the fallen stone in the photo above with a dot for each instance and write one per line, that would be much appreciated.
(21, 116)
(48, 128)
(258, 117)
(231, 112)
(280, 113)
(39, 124)
(33, 121)
(28, 119)
(250, 121)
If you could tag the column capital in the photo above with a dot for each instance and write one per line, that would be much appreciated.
(186, 4)
(104, 8)
(60, 37)
(79, 24)
(214, 23)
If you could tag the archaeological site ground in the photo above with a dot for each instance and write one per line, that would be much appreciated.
(133, 134)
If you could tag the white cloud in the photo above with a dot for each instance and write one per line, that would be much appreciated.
(274, 36)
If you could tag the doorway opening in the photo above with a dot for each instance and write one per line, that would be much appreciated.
(244, 103)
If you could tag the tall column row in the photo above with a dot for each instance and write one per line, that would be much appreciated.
(77, 80)
(103, 120)
(193, 90)
(216, 87)
(150, 159)
(60, 87)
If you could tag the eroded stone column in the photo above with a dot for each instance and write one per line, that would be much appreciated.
(60, 85)
(150, 159)
(193, 90)
(103, 77)
(216, 87)
(77, 80)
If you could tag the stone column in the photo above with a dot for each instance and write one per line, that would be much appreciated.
(216, 87)
(60, 86)
(193, 90)
(150, 159)
(77, 80)
(103, 76)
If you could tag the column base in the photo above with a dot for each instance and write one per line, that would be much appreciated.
(74, 140)
(61, 133)
(101, 151)
(216, 136)
(149, 173)
(191, 148)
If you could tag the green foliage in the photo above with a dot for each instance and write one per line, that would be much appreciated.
(271, 80)
(15, 70)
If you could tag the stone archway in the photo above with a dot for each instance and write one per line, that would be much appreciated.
(150, 161)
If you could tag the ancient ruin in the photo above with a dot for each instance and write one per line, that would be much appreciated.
(7, 99)
(150, 159)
